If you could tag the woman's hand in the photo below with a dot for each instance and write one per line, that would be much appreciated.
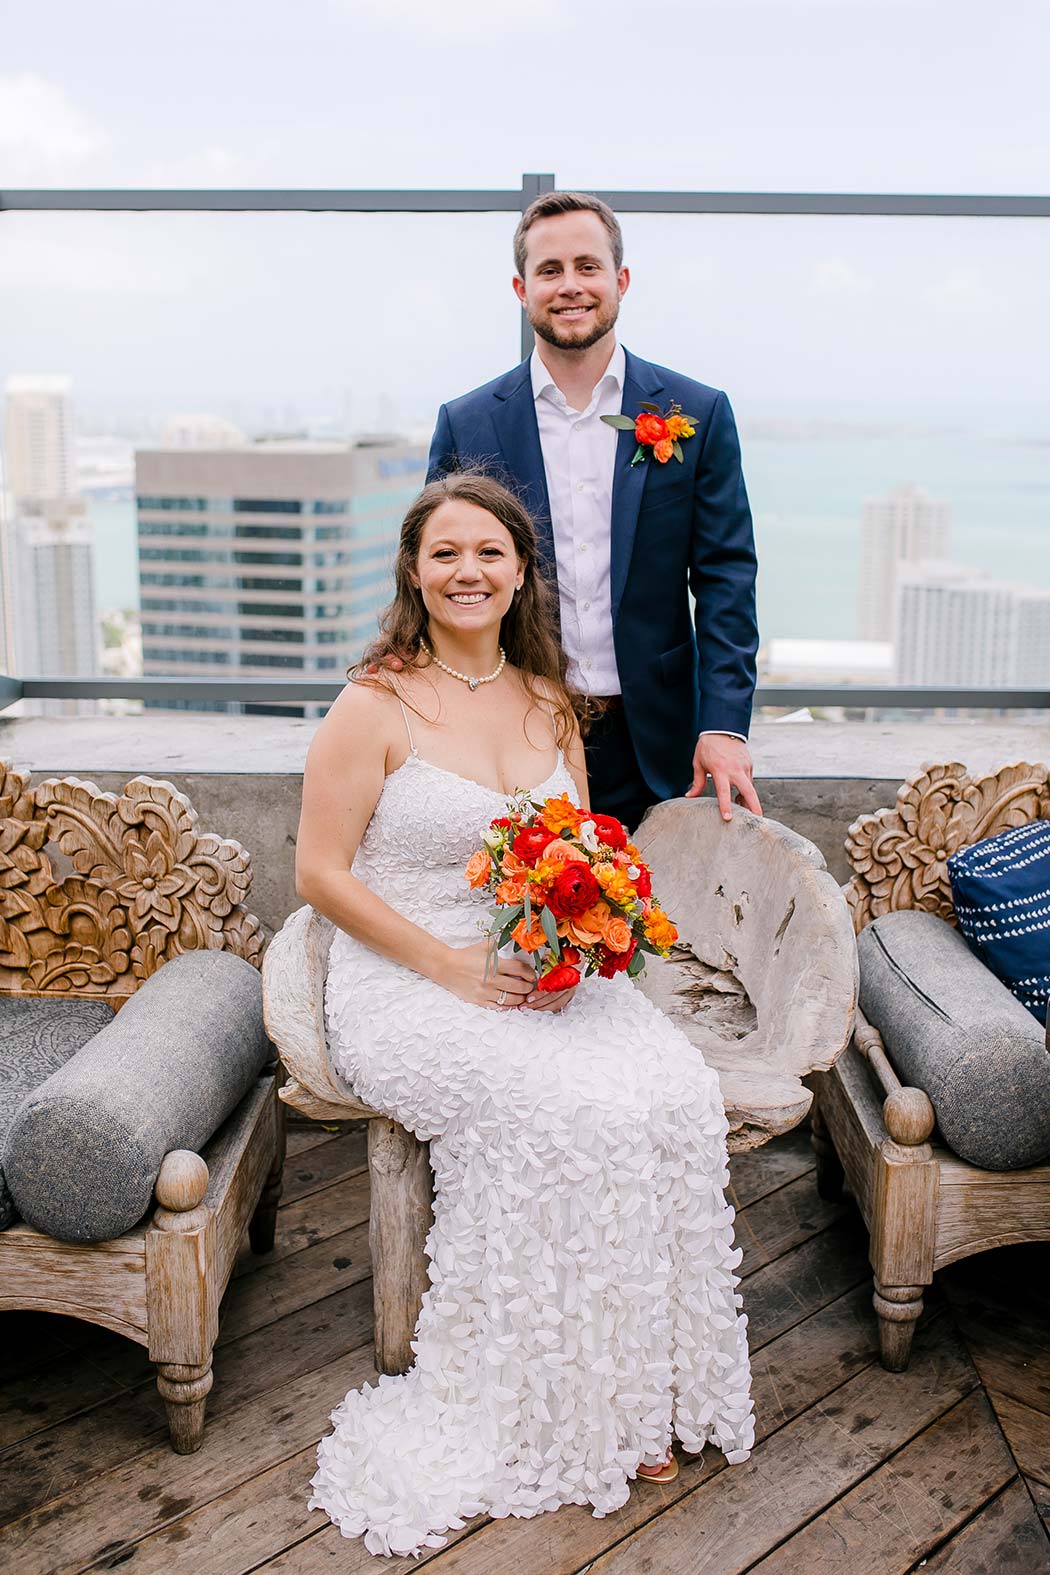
(471, 973)
(549, 1000)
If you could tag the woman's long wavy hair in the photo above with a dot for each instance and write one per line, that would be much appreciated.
(527, 631)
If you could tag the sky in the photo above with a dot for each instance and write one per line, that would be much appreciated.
(363, 320)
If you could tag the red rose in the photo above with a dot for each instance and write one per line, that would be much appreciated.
(569, 954)
(616, 962)
(610, 831)
(504, 821)
(650, 429)
(644, 883)
(531, 841)
(573, 891)
(561, 978)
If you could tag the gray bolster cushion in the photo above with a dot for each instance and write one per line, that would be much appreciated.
(38, 1034)
(83, 1152)
(951, 1028)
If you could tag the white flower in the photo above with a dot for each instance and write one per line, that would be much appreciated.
(589, 836)
(633, 872)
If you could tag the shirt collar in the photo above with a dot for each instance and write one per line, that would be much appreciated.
(543, 383)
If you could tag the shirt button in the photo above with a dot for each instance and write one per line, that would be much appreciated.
(578, 426)
(579, 486)
(586, 606)
(587, 664)
(583, 546)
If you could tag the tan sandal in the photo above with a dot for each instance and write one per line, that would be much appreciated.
(662, 1473)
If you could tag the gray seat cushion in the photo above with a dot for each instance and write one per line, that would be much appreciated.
(951, 1028)
(83, 1152)
(37, 1036)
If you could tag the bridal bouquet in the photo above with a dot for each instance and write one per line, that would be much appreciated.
(570, 890)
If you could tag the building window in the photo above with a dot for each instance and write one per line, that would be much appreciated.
(267, 506)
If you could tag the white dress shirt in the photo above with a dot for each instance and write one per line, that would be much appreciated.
(579, 458)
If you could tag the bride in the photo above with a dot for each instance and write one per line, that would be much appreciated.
(582, 1311)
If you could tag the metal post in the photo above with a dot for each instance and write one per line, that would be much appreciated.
(531, 186)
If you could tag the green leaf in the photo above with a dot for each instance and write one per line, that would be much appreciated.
(643, 404)
(528, 910)
(639, 455)
(677, 451)
(636, 965)
(550, 930)
(622, 423)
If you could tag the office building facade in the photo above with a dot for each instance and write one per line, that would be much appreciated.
(906, 527)
(268, 559)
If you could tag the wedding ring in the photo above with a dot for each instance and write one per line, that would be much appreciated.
(501, 998)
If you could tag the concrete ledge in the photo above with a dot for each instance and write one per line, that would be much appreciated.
(243, 774)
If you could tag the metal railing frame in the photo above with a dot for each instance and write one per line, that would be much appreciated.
(842, 204)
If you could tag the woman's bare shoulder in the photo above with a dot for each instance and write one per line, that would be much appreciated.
(364, 713)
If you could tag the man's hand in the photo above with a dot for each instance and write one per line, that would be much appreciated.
(727, 761)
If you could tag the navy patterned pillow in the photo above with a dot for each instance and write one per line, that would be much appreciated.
(1001, 892)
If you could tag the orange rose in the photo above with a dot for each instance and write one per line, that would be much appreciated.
(650, 429)
(479, 868)
(663, 450)
(588, 929)
(513, 866)
(528, 940)
(560, 852)
(510, 892)
(617, 935)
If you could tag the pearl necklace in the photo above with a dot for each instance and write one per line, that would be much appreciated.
(465, 678)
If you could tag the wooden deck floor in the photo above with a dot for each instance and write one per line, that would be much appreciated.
(945, 1468)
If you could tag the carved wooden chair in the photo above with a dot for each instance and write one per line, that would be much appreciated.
(764, 983)
(97, 892)
(923, 1205)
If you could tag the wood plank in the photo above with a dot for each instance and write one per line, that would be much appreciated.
(41, 1396)
(1008, 1347)
(54, 1462)
(806, 1364)
(1006, 1538)
(783, 1220)
(1027, 1433)
(1041, 1499)
(329, 1162)
(783, 1293)
(764, 1169)
(309, 1220)
(282, 1287)
(102, 1518)
(928, 1490)
(740, 1515)
(305, 1135)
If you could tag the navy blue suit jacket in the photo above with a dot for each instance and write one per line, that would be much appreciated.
(675, 528)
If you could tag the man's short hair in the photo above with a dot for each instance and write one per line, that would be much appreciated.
(550, 203)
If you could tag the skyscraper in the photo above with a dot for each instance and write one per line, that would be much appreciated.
(268, 559)
(957, 625)
(906, 527)
(48, 550)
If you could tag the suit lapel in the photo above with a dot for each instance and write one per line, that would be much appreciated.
(641, 382)
(514, 417)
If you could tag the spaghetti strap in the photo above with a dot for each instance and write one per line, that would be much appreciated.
(408, 728)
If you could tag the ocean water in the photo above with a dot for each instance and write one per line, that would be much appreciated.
(806, 495)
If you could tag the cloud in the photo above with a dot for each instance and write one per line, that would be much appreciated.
(212, 166)
(44, 137)
(835, 276)
(961, 290)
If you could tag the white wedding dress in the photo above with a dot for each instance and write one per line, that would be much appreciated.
(582, 1308)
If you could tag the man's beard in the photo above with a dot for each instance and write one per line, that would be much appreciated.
(603, 323)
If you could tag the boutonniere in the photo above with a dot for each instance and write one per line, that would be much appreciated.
(663, 433)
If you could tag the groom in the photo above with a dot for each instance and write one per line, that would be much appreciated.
(670, 690)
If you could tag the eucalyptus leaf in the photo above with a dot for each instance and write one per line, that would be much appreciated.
(677, 451)
(550, 930)
(644, 404)
(636, 965)
(622, 423)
